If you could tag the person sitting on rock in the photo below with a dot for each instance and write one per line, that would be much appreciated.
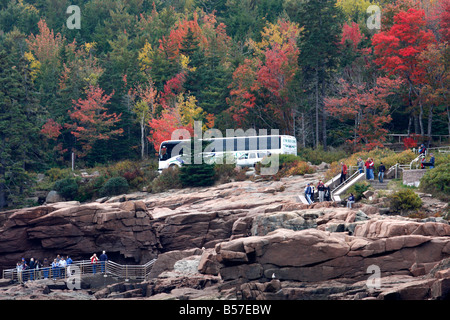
(350, 200)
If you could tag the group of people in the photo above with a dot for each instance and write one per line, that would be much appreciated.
(369, 166)
(34, 269)
(423, 162)
(323, 191)
(95, 260)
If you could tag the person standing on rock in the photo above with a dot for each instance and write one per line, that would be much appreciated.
(371, 166)
(55, 269)
(308, 192)
(321, 189)
(360, 164)
(45, 269)
(381, 170)
(32, 265)
(343, 172)
(19, 269)
(94, 261)
(62, 266)
(103, 259)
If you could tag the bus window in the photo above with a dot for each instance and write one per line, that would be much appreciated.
(253, 143)
(240, 143)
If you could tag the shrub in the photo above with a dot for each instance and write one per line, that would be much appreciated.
(90, 189)
(114, 186)
(224, 173)
(197, 175)
(292, 165)
(67, 188)
(317, 156)
(404, 200)
(55, 174)
(358, 189)
(168, 179)
(437, 182)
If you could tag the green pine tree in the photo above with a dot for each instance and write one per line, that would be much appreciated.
(318, 59)
(198, 173)
(19, 131)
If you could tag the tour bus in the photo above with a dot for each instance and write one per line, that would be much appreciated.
(230, 149)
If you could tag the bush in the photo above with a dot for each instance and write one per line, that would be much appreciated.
(114, 186)
(55, 174)
(358, 189)
(317, 156)
(197, 175)
(404, 200)
(437, 182)
(224, 173)
(290, 165)
(168, 179)
(91, 189)
(67, 188)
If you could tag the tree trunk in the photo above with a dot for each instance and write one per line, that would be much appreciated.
(324, 117)
(422, 132)
(317, 108)
(430, 122)
(143, 136)
(304, 131)
(448, 123)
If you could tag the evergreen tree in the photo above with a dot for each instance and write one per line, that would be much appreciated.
(19, 132)
(318, 59)
(197, 173)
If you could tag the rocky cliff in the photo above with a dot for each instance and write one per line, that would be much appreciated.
(249, 240)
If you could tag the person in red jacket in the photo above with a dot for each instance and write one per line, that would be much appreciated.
(366, 164)
(343, 172)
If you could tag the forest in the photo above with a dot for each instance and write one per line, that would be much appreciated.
(113, 82)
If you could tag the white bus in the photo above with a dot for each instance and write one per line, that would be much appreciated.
(229, 149)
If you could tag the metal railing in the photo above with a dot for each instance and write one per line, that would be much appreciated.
(83, 267)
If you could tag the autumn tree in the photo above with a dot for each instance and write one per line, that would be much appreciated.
(91, 121)
(367, 107)
(260, 90)
(145, 100)
(397, 52)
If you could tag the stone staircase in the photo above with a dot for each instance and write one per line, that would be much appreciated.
(378, 185)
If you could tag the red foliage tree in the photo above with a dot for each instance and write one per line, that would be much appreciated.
(163, 127)
(369, 109)
(352, 34)
(51, 129)
(398, 48)
(91, 122)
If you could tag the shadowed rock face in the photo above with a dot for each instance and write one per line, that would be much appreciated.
(78, 230)
(254, 239)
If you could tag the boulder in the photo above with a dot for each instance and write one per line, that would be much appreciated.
(53, 197)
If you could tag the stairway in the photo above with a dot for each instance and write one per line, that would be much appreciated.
(378, 185)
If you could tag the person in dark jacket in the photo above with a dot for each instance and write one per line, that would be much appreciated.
(103, 259)
(381, 171)
(432, 161)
